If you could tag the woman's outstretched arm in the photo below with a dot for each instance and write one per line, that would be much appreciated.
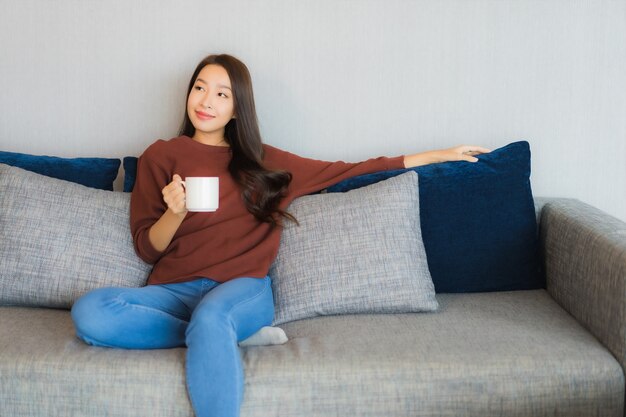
(458, 153)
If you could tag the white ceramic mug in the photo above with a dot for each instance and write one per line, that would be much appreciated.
(202, 193)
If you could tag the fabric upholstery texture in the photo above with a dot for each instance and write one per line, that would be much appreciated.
(91, 172)
(130, 173)
(477, 219)
(59, 240)
(490, 354)
(358, 252)
(585, 261)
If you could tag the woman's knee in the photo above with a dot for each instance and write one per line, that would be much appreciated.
(234, 308)
(209, 317)
(91, 317)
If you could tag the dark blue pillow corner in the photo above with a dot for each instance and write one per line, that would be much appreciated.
(97, 173)
(130, 173)
(478, 221)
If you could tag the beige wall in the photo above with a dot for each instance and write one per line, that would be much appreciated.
(333, 79)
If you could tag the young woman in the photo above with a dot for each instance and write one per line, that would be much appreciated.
(209, 287)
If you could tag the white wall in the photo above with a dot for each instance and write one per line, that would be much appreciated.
(334, 79)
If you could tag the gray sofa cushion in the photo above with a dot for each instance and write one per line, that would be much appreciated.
(59, 240)
(485, 354)
(355, 252)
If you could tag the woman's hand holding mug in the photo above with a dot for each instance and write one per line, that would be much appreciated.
(174, 195)
(193, 194)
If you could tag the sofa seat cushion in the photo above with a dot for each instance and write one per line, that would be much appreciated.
(483, 354)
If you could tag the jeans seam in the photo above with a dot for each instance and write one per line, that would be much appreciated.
(247, 300)
(119, 300)
(206, 287)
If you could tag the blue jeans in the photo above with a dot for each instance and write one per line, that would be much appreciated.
(206, 316)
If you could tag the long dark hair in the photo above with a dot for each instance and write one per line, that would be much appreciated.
(261, 189)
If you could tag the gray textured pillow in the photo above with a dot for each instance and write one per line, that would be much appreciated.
(355, 252)
(59, 240)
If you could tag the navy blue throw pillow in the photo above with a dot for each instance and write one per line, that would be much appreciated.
(478, 221)
(130, 173)
(92, 172)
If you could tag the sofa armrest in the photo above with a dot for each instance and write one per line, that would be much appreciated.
(584, 253)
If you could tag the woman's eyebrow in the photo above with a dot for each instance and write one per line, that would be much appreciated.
(219, 85)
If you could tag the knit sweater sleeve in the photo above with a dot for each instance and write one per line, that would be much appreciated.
(311, 175)
(146, 202)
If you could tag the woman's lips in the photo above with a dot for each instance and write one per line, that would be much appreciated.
(204, 116)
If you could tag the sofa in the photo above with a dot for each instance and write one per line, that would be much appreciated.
(459, 325)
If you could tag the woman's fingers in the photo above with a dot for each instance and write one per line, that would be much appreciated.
(174, 195)
(473, 150)
(468, 152)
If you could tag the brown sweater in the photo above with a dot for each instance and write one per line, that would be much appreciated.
(230, 242)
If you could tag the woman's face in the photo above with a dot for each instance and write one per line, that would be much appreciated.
(210, 105)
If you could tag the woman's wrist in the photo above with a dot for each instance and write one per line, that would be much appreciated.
(423, 158)
(162, 232)
(458, 153)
